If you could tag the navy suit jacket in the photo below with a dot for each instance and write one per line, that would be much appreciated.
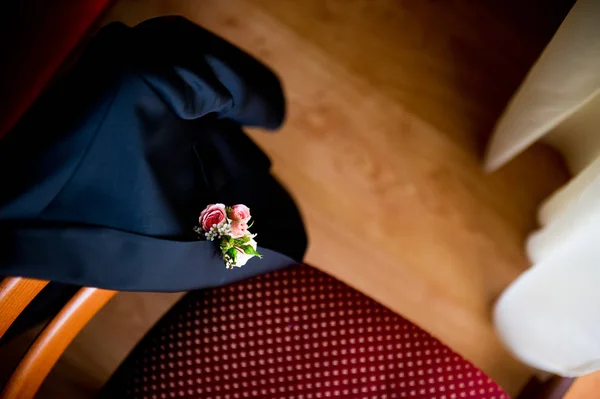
(104, 178)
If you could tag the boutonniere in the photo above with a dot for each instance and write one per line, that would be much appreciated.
(229, 225)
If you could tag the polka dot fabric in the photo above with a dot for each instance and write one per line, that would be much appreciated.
(293, 334)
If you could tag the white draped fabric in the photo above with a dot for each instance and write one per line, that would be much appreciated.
(550, 316)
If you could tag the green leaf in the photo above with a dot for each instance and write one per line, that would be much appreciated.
(232, 252)
(240, 241)
(251, 251)
(224, 244)
(228, 210)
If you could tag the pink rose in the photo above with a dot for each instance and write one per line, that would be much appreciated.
(238, 228)
(212, 215)
(240, 212)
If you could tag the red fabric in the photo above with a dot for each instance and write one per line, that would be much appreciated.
(297, 333)
(37, 36)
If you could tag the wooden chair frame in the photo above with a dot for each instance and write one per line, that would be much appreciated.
(15, 294)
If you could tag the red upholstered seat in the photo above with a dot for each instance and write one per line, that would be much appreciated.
(296, 333)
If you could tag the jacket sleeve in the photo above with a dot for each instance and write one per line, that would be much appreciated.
(183, 61)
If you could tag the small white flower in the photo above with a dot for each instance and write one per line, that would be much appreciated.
(242, 258)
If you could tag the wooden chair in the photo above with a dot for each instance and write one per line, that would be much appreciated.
(60, 24)
(15, 294)
(38, 39)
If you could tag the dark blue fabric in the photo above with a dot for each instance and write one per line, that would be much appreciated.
(104, 178)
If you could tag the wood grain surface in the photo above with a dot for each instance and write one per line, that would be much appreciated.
(15, 294)
(390, 105)
(586, 387)
(52, 341)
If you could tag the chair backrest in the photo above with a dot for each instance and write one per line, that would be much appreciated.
(36, 37)
(15, 294)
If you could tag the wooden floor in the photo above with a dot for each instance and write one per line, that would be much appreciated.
(586, 387)
(391, 103)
